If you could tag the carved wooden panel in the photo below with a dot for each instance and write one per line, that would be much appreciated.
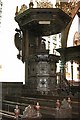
(43, 68)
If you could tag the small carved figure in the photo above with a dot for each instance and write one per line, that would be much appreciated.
(65, 104)
(38, 108)
(57, 112)
(69, 101)
(18, 41)
(29, 112)
(43, 46)
(57, 104)
(17, 111)
(66, 108)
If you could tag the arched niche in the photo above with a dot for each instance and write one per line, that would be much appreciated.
(73, 31)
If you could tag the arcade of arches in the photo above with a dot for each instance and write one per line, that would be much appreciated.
(73, 66)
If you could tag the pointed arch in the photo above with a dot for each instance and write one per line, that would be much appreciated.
(65, 32)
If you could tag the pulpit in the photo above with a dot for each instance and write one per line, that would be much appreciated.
(40, 66)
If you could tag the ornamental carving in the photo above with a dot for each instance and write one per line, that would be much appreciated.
(44, 4)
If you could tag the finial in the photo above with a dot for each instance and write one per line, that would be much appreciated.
(16, 10)
(31, 4)
(23, 8)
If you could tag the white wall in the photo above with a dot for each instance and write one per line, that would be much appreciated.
(11, 69)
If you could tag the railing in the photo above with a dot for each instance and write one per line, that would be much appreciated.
(9, 106)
